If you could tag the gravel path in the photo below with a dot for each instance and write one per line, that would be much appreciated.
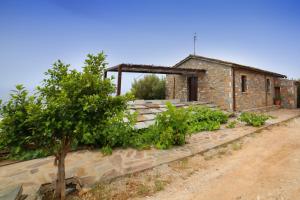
(266, 168)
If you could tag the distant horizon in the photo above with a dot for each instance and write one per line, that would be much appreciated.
(34, 34)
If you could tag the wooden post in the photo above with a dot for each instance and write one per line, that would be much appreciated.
(119, 80)
(105, 74)
(174, 86)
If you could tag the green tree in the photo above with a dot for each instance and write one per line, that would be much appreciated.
(69, 106)
(150, 87)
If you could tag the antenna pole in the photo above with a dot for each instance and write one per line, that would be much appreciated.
(195, 38)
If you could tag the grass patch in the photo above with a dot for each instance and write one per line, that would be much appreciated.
(236, 146)
(143, 190)
(159, 185)
(232, 124)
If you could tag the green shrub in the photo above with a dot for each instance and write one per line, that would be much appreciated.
(19, 125)
(205, 119)
(149, 87)
(232, 124)
(172, 126)
(254, 119)
(144, 138)
(107, 150)
(117, 131)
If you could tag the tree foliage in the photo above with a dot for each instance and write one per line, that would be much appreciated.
(150, 87)
(69, 107)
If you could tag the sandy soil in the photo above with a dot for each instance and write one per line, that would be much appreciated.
(267, 167)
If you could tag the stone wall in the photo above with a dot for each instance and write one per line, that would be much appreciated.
(180, 90)
(213, 86)
(255, 95)
(288, 91)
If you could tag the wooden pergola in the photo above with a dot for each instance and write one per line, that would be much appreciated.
(151, 69)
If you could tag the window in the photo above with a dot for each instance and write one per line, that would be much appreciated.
(268, 85)
(244, 83)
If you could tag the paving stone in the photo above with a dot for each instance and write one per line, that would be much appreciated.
(33, 171)
(130, 153)
(139, 167)
(11, 193)
(40, 163)
(141, 118)
(155, 110)
(88, 180)
(16, 173)
(149, 116)
(81, 171)
(135, 162)
(116, 160)
(111, 174)
(149, 123)
(140, 125)
(138, 107)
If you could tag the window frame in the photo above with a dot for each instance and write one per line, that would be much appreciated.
(244, 84)
(268, 85)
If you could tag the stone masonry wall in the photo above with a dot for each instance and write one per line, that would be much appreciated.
(255, 95)
(213, 86)
(180, 87)
(288, 91)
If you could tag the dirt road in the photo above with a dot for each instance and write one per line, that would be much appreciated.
(266, 168)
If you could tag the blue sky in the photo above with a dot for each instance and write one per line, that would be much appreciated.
(35, 33)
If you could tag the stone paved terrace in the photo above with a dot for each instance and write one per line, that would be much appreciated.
(92, 166)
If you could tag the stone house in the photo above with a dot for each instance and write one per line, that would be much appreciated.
(231, 86)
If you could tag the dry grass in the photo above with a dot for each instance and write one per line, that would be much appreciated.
(137, 185)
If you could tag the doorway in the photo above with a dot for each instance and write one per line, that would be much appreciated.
(277, 93)
(192, 82)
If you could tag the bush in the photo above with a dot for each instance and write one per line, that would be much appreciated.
(232, 124)
(172, 122)
(254, 119)
(18, 126)
(117, 131)
(172, 126)
(150, 87)
(205, 119)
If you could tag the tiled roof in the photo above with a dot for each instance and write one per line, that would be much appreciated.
(230, 64)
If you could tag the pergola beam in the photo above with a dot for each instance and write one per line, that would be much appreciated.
(154, 69)
(134, 68)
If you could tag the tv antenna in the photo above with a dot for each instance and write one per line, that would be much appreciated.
(195, 38)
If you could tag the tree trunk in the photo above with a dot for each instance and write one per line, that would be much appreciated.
(60, 183)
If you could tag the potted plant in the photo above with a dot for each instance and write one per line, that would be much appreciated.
(277, 100)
